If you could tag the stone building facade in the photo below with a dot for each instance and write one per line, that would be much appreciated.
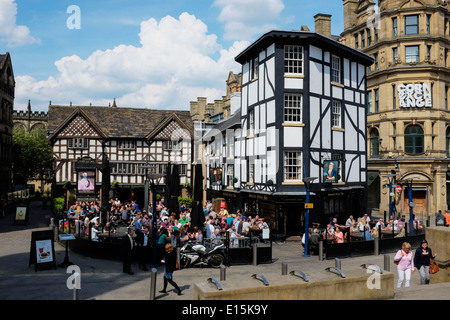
(408, 116)
(30, 120)
(7, 86)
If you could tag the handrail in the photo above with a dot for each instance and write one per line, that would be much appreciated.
(263, 279)
(373, 267)
(302, 275)
(337, 269)
(216, 282)
(442, 261)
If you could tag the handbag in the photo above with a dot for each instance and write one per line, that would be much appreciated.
(434, 268)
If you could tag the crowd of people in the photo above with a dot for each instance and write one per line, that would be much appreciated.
(361, 228)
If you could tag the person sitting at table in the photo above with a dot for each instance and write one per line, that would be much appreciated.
(329, 232)
(109, 228)
(339, 236)
(350, 221)
(367, 235)
(401, 234)
(94, 232)
(374, 232)
(354, 230)
(361, 225)
(380, 223)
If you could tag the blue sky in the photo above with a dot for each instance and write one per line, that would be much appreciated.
(145, 53)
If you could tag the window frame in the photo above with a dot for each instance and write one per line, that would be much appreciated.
(336, 73)
(374, 147)
(414, 148)
(336, 117)
(293, 60)
(408, 56)
(290, 169)
(78, 143)
(394, 27)
(230, 175)
(415, 25)
(293, 108)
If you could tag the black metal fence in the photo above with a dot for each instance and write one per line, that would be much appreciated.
(383, 242)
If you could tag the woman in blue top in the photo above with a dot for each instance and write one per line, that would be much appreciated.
(422, 260)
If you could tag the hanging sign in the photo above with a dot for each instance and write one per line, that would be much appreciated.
(414, 95)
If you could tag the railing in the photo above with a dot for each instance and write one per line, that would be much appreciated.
(359, 246)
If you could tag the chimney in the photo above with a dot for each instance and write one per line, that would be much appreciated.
(323, 24)
(350, 7)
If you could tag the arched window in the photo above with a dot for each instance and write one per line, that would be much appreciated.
(373, 143)
(414, 139)
(447, 142)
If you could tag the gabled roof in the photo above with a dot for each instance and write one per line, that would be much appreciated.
(312, 37)
(114, 122)
(70, 118)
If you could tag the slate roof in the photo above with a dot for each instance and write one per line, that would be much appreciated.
(115, 122)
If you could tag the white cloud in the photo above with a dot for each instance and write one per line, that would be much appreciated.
(11, 34)
(245, 18)
(172, 67)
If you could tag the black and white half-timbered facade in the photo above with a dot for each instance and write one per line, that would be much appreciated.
(303, 114)
(135, 141)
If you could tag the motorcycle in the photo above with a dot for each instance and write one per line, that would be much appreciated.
(192, 254)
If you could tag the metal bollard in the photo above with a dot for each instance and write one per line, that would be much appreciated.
(320, 250)
(223, 272)
(337, 263)
(75, 294)
(376, 246)
(387, 262)
(153, 284)
(255, 254)
(284, 269)
(178, 255)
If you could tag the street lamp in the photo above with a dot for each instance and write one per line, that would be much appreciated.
(409, 183)
(390, 179)
(153, 177)
(307, 182)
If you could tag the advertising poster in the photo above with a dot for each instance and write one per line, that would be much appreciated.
(44, 251)
(21, 213)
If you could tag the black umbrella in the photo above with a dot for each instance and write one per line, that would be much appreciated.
(168, 180)
(197, 215)
(174, 184)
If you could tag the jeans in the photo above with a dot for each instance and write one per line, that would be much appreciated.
(404, 275)
(424, 273)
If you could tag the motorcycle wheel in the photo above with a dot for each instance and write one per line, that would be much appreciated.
(216, 260)
(184, 262)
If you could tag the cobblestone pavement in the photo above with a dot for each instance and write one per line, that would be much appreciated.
(103, 279)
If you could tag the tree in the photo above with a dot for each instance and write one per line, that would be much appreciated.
(34, 157)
